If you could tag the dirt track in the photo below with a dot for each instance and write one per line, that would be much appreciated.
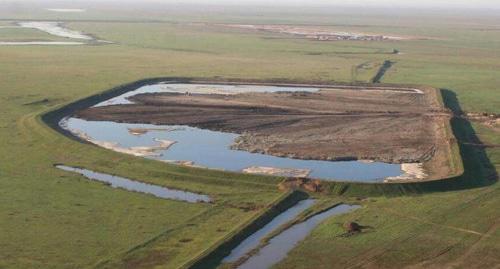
(389, 126)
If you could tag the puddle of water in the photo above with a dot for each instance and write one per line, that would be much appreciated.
(254, 240)
(201, 89)
(280, 245)
(54, 28)
(212, 149)
(131, 185)
(31, 43)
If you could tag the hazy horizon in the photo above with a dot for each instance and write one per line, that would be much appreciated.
(447, 4)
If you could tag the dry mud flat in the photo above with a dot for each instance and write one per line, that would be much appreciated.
(319, 33)
(393, 126)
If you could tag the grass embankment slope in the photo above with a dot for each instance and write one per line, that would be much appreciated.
(56, 219)
(51, 218)
(454, 229)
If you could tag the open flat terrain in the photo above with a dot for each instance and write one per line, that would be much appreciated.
(54, 219)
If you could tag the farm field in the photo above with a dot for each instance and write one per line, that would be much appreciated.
(54, 219)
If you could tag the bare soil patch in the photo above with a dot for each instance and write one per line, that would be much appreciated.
(340, 124)
(283, 172)
(319, 33)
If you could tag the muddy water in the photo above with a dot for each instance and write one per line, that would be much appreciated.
(131, 185)
(253, 241)
(281, 244)
(211, 149)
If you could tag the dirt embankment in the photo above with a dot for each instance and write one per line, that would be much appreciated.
(341, 124)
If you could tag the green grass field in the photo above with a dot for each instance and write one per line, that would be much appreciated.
(23, 34)
(54, 219)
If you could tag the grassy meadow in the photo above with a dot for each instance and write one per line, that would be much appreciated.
(23, 34)
(54, 219)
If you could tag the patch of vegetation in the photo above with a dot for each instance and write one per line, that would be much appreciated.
(26, 34)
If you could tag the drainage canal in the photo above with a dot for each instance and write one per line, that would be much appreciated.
(131, 185)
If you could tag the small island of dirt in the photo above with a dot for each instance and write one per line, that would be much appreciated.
(389, 125)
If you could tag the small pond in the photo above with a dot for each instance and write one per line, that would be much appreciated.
(211, 149)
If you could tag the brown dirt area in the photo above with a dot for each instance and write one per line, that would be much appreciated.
(319, 33)
(331, 124)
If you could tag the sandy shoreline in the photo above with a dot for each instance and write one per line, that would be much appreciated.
(140, 151)
(413, 172)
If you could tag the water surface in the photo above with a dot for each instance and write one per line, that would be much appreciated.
(54, 28)
(280, 245)
(131, 185)
(201, 89)
(211, 149)
(253, 241)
